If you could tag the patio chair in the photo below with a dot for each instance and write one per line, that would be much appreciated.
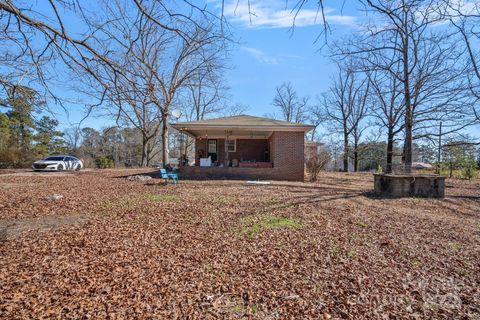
(169, 175)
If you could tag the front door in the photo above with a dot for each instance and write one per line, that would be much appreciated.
(212, 149)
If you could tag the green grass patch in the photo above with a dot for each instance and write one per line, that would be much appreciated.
(161, 197)
(362, 224)
(455, 246)
(339, 251)
(417, 263)
(251, 226)
(351, 254)
(254, 309)
(225, 200)
(120, 204)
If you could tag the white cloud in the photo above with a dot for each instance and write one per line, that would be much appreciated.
(273, 14)
(260, 56)
(464, 7)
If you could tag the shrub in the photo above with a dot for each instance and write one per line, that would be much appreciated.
(469, 168)
(317, 162)
(104, 162)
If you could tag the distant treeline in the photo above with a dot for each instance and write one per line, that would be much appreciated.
(25, 137)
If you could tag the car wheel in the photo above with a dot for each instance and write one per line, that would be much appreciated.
(78, 167)
(60, 167)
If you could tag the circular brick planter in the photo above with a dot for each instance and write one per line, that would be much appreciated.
(410, 185)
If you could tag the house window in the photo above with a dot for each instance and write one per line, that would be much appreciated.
(231, 145)
(212, 146)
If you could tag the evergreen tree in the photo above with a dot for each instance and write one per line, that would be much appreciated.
(22, 102)
(48, 139)
(5, 138)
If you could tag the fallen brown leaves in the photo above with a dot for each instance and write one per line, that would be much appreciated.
(146, 250)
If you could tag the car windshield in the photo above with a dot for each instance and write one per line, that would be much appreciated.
(54, 159)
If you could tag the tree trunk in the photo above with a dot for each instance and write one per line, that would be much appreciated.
(186, 144)
(408, 142)
(150, 148)
(390, 137)
(165, 139)
(408, 107)
(143, 162)
(148, 155)
(355, 158)
(439, 155)
(345, 152)
(314, 131)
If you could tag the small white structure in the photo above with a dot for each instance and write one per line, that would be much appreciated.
(206, 162)
(421, 165)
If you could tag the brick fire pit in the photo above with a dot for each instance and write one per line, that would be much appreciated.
(410, 185)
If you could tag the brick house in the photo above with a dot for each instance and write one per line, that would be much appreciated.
(246, 147)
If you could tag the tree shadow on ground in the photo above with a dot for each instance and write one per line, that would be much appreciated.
(152, 174)
(474, 198)
(12, 228)
(310, 194)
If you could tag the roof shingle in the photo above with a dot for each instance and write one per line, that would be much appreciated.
(243, 120)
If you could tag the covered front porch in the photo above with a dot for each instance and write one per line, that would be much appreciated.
(233, 150)
(245, 147)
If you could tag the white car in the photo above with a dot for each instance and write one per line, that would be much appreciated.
(58, 163)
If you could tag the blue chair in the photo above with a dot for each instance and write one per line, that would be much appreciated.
(169, 175)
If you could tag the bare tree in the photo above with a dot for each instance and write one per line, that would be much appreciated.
(188, 58)
(236, 109)
(41, 38)
(388, 109)
(73, 138)
(357, 133)
(465, 19)
(140, 45)
(401, 41)
(156, 67)
(346, 106)
(205, 93)
(203, 97)
(292, 107)
(40, 41)
(316, 117)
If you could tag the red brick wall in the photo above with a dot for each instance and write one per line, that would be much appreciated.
(286, 153)
(231, 173)
(271, 147)
(200, 146)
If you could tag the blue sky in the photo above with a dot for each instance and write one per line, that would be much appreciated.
(268, 53)
(266, 57)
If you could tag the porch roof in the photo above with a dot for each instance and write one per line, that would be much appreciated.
(240, 124)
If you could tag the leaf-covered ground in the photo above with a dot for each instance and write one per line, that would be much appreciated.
(116, 249)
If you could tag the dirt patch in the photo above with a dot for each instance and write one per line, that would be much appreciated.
(38, 174)
(7, 171)
(12, 228)
(31, 173)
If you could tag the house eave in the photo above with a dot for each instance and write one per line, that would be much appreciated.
(185, 127)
